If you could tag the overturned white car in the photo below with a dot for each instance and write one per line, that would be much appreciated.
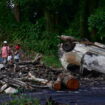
(78, 56)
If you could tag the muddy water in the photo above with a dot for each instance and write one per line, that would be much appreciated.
(91, 92)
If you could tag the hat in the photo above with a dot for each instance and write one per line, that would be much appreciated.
(17, 47)
(5, 42)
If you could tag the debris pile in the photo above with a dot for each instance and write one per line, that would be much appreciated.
(32, 75)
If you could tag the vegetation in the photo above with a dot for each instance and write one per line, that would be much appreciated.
(52, 60)
(35, 24)
(23, 100)
(97, 22)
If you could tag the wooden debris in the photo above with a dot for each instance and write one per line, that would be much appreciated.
(43, 81)
(29, 75)
(57, 84)
(71, 82)
(67, 81)
(3, 87)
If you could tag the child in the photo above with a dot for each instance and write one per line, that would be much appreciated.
(17, 53)
(10, 58)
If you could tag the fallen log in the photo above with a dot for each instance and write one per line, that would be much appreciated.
(66, 81)
(71, 82)
(56, 85)
(34, 62)
(87, 55)
(3, 87)
(15, 82)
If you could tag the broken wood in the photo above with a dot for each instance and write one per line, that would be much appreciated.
(30, 75)
(67, 81)
(57, 84)
(15, 82)
(71, 82)
(3, 87)
(34, 62)
(52, 85)
(43, 81)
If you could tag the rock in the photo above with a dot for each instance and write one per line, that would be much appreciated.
(2, 66)
(11, 90)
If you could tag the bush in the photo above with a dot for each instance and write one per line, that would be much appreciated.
(30, 36)
(33, 37)
(97, 21)
(23, 101)
(73, 29)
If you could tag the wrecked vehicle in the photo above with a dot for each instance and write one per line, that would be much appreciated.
(80, 55)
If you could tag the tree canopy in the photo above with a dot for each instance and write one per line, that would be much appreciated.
(36, 23)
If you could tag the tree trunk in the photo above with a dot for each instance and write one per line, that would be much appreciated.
(84, 18)
(51, 21)
(92, 6)
(71, 82)
(16, 12)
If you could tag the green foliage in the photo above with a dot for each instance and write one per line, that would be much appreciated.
(47, 4)
(30, 36)
(58, 16)
(73, 29)
(33, 37)
(51, 60)
(46, 46)
(97, 21)
(73, 32)
(23, 101)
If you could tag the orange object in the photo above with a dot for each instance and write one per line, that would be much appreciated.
(57, 85)
(71, 83)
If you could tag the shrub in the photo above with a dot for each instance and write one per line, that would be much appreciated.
(23, 101)
(97, 21)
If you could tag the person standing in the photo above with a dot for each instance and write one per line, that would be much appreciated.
(17, 53)
(10, 59)
(5, 50)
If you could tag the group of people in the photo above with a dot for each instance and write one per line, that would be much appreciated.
(10, 54)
